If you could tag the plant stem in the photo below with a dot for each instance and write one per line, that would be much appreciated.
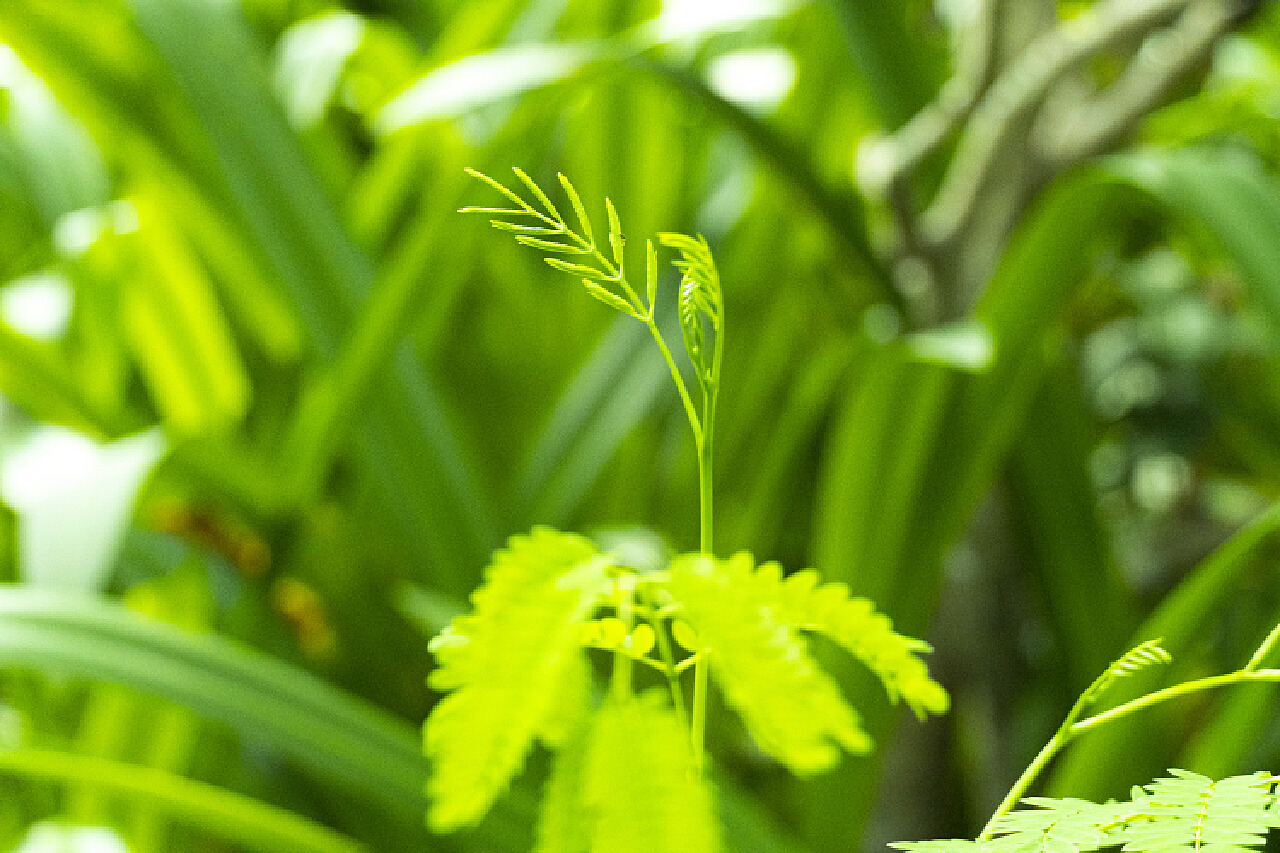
(669, 659)
(1073, 727)
(695, 423)
(698, 734)
(620, 680)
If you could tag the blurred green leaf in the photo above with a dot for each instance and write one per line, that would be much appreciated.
(318, 726)
(251, 823)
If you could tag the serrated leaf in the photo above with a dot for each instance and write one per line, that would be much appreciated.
(572, 703)
(507, 662)
(646, 800)
(855, 625)
(578, 209)
(791, 707)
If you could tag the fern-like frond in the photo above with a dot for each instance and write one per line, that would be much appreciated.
(791, 707)
(511, 663)
(856, 626)
(938, 845)
(1188, 811)
(1184, 812)
(1058, 826)
(603, 278)
(1139, 657)
(641, 790)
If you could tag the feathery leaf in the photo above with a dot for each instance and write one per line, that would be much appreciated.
(1188, 811)
(519, 202)
(538, 193)
(1185, 812)
(938, 845)
(579, 270)
(855, 625)
(1058, 826)
(791, 707)
(550, 246)
(646, 800)
(608, 297)
(578, 209)
(508, 662)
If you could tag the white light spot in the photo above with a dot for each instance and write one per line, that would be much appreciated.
(38, 305)
(758, 78)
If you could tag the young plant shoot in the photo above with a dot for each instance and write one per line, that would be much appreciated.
(630, 766)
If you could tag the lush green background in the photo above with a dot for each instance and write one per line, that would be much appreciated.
(1016, 395)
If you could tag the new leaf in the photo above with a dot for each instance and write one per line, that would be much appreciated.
(508, 663)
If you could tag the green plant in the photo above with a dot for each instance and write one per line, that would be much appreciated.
(1186, 811)
(630, 770)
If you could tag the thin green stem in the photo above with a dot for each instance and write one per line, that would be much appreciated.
(620, 680)
(1060, 739)
(704, 475)
(668, 658)
(1211, 682)
(698, 733)
(1073, 727)
(690, 411)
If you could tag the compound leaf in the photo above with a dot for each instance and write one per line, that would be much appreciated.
(939, 845)
(1182, 812)
(1188, 811)
(507, 664)
(856, 626)
(648, 799)
(792, 708)
(1059, 826)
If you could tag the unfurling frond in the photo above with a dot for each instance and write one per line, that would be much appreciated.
(856, 626)
(701, 300)
(1183, 813)
(1139, 657)
(646, 799)
(513, 663)
(791, 707)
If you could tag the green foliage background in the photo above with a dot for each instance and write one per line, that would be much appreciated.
(1018, 396)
